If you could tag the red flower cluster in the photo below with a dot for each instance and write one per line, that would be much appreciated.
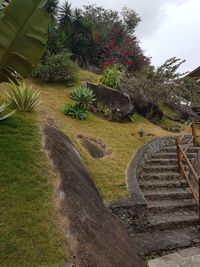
(120, 48)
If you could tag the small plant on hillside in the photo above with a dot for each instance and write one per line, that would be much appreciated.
(111, 76)
(2, 110)
(56, 68)
(83, 95)
(75, 111)
(22, 96)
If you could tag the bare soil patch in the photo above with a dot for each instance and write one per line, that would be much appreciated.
(95, 147)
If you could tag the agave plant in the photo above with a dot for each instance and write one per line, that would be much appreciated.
(23, 36)
(75, 111)
(83, 95)
(2, 109)
(23, 97)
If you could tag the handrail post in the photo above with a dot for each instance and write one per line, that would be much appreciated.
(194, 133)
(179, 157)
(199, 200)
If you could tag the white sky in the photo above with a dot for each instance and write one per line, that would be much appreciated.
(169, 27)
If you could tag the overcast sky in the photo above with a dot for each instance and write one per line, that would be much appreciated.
(168, 28)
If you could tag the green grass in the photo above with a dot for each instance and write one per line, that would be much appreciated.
(165, 122)
(122, 139)
(166, 109)
(29, 232)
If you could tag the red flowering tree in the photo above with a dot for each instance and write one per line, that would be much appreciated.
(120, 48)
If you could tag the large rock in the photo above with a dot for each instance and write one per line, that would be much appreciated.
(147, 108)
(182, 113)
(96, 237)
(120, 105)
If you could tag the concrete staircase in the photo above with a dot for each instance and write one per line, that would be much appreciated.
(174, 222)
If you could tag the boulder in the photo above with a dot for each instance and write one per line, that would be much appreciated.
(96, 237)
(147, 108)
(120, 105)
(182, 113)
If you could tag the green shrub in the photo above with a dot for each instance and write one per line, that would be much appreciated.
(103, 109)
(22, 97)
(57, 68)
(111, 76)
(198, 141)
(100, 107)
(76, 111)
(2, 110)
(83, 95)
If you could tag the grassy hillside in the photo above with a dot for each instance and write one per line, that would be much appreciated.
(28, 224)
(122, 139)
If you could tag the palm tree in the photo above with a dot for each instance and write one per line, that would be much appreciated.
(52, 8)
(56, 39)
(65, 16)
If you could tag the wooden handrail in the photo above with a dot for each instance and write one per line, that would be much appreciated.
(181, 154)
(196, 198)
(191, 140)
(186, 131)
(189, 164)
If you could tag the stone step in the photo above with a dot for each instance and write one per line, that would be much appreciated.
(171, 155)
(191, 149)
(160, 161)
(166, 241)
(164, 206)
(160, 168)
(161, 194)
(159, 175)
(172, 220)
(176, 183)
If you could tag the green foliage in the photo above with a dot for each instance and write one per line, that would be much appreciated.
(111, 76)
(2, 110)
(75, 111)
(23, 97)
(198, 141)
(83, 95)
(103, 19)
(87, 32)
(51, 7)
(23, 29)
(65, 15)
(29, 223)
(56, 40)
(57, 68)
(164, 84)
(106, 111)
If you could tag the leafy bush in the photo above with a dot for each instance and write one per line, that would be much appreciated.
(83, 95)
(198, 141)
(103, 109)
(2, 110)
(75, 111)
(23, 97)
(57, 68)
(111, 76)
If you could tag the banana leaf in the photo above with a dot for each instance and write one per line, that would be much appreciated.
(23, 37)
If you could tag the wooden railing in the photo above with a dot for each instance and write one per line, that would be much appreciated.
(184, 161)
